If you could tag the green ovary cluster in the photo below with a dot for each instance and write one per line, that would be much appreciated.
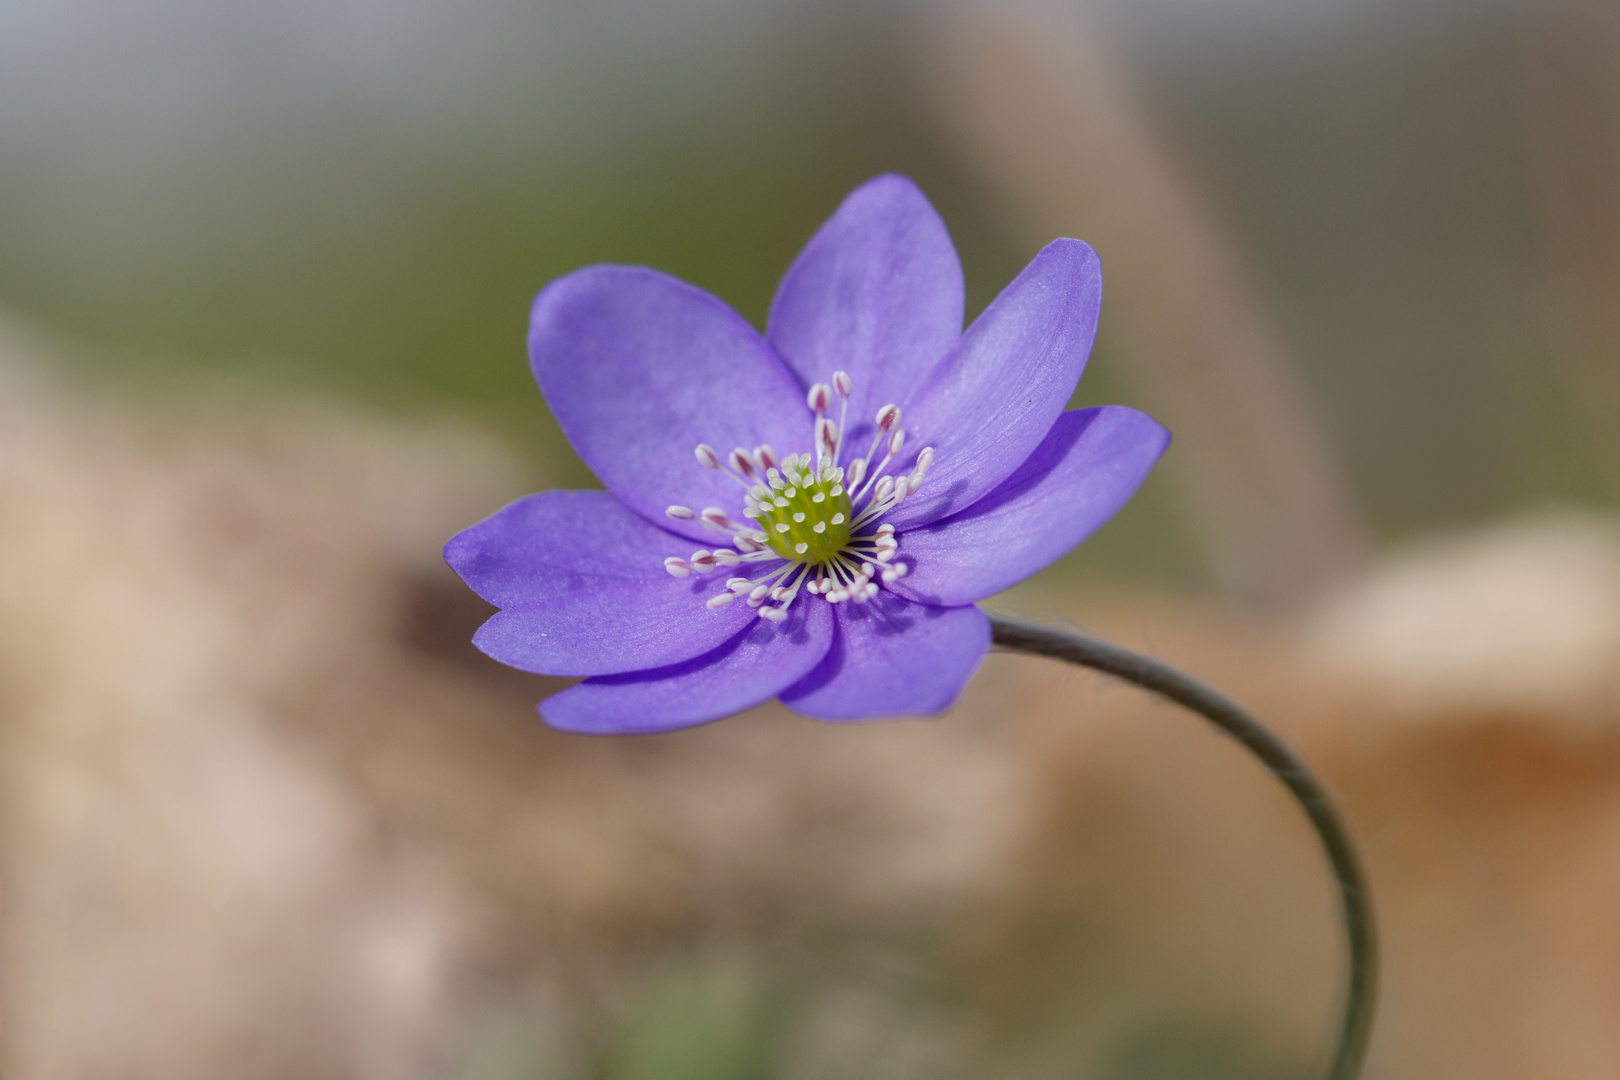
(807, 522)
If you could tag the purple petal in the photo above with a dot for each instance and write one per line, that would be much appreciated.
(877, 292)
(1091, 462)
(991, 404)
(640, 368)
(893, 658)
(752, 667)
(582, 582)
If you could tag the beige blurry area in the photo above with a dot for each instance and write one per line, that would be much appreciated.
(264, 812)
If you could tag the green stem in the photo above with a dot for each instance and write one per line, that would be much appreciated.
(1233, 719)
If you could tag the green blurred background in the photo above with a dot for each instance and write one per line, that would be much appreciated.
(364, 196)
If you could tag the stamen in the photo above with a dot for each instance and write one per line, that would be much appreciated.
(807, 513)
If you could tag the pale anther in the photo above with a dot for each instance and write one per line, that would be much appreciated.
(821, 526)
(773, 614)
(741, 462)
(721, 600)
(819, 398)
(801, 547)
(897, 440)
(766, 456)
(820, 496)
(780, 501)
(759, 592)
(781, 526)
(799, 516)
(843, 383)
(680, 513)
(677, 567)
(838, 519)
(887, 417)
(706, 456)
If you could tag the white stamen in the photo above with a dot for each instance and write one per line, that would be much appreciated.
(774, 614)
(887, 417)
(819, 398)
(677, 567)
(715, 603)
(706, 456)
(857, 473)
(843, 383)
(826, 437)
(759, 592)
(925, 460)
(740, 584)
(896, 441)
(741, 462)
(703, 561)
(766, 457)
(748, 545)
(680, 513)
(713, 515)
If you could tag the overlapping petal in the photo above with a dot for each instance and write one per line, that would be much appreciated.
(877, 292)
(581, 583)
(640, 368)
(893, 658)
(1091, 462)
(988, 406)
(752, 667)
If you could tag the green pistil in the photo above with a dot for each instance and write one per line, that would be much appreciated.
(816, 516)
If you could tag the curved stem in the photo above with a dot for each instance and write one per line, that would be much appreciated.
(1233, 719)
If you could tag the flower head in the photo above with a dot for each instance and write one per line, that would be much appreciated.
(810, 514)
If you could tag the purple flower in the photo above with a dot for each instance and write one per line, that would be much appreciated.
(889, 470)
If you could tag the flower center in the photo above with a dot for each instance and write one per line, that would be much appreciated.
(806, 519)
(818, 518)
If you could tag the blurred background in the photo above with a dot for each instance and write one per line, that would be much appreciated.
(1362, 257)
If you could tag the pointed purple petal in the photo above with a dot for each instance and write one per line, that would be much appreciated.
(640, 368)
(990, 405)
(584, 587)
(751, 668)
(893, 658)
(1089, 465)
(877, 292)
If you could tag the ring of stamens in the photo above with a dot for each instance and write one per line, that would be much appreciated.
(819, 517)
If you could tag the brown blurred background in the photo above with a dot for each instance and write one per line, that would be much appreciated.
(265, 270)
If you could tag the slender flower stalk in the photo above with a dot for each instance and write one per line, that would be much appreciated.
(1355, 901)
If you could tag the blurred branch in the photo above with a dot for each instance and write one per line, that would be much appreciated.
(1574, 75)
(1030, 104)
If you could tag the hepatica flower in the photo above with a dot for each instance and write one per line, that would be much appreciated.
(813, 513)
